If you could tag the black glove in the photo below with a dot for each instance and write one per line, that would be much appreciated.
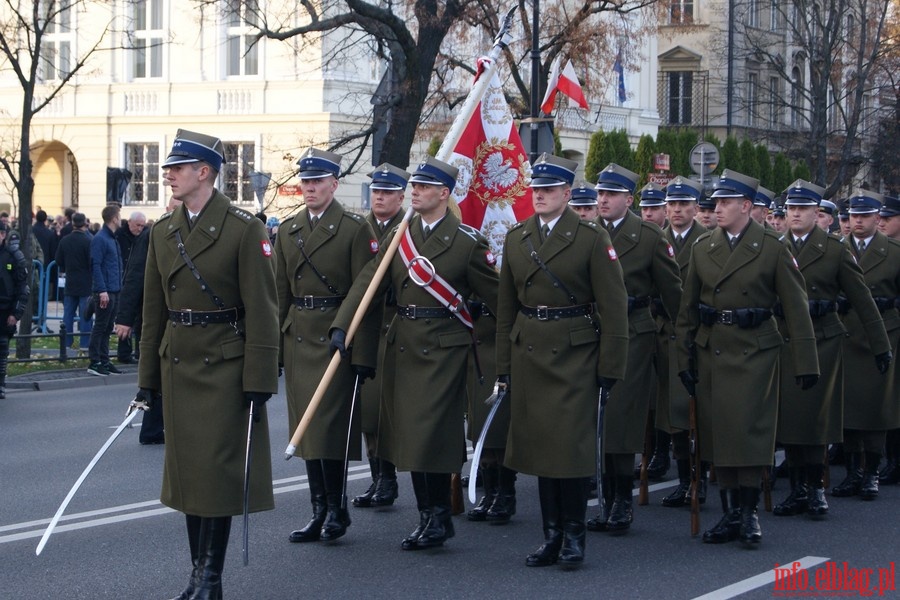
(806, 381)
(258, 399)
(689, 381)
(144, 398)
(363, 372)
(503, 382)
(338, 342)
(883, 361)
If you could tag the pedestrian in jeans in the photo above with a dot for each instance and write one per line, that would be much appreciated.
(73, 258)
(106, 273)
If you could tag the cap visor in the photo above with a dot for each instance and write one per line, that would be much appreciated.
(179, 160)
(611, 187)
(546, 182)
(314, 174)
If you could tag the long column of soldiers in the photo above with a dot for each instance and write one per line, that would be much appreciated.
(597, 313)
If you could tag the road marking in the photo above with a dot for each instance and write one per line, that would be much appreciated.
(758, 581)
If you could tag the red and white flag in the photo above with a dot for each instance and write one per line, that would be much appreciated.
(492, 185)
(565, 82)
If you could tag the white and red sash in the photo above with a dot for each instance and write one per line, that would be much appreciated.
(436, 285)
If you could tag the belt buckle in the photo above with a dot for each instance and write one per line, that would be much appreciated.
(542, 312)
(309, 302)
(187, 312)
(411, 312)
(726, 317)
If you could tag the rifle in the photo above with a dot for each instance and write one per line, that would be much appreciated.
(767, 489)
(644, 493)
(456, 495)
(694, 459)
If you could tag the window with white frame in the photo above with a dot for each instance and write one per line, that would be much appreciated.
(58, 41)
(147, 38)
(241, 48)
(681, 12)
(234, 179)
(142, 159)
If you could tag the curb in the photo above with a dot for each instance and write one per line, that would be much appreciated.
(66, 379)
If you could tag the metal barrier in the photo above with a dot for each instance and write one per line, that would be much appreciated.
(63, 355)
(42, 299)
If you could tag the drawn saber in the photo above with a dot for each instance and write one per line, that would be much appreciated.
(245, 549)
(495, 399)
(349, 437)
(133, 408)
(601, 409)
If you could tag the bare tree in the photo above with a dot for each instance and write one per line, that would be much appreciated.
(808, 80)
(43, 67)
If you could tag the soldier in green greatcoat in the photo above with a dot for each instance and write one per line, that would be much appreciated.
(320, 251)
(562, 336)
(809, 420)
(889, 225)
(387, 190)
(729, 347)
(649, 268)
(210, 348)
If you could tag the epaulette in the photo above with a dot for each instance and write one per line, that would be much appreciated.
(773, 234)
(589, 224)
(241, 213)
(652, 227)
(782, 238)
(354, 216)
(470, 231)
(517, 225)
(703, 236)
(165, 215)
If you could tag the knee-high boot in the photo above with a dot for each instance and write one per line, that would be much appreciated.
(386, 490)
(750, 532)
(504, 505)
(337, 519)
(817, 506)
(364, 500)
(621, 515)
(193, 531)
(548, 552)
(313, 530)
(728, 527)
(573, 505)
(679, 496)
(213, 544)
(440, 526)
(853, 481)
(489, 476)
(420, 489)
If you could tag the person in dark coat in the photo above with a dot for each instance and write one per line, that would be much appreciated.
(320, 251)
(889, 225)
(554, 355)
(128, 236)
(809, 420)
(387, 189)
(729, 347)
(48, 242)
(649, 268)
(73, 258)
(423, 386)
(873, 387)
(210, 349)
(14, 292)
(106, 282)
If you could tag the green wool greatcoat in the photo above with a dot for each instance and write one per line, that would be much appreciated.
(673, 402)
(370, 395)
(648, 267)
(203, 372)
(339, 247)
(554, 364)
(871, 398)
(737, 401)
(829, 269)
(423, 385)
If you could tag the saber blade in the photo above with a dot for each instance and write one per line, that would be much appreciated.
(132, 413)
(347, 447)
(497, 398)
(245, 549)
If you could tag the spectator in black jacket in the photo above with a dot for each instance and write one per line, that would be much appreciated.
(48, 241)
(73, 258)
(128, 236)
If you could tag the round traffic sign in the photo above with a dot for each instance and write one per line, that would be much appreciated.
(704, 158)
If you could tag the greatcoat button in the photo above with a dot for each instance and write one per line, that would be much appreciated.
(205, 360)
(176, 360)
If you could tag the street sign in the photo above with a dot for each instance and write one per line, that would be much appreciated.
(661, 179)
(704, 158)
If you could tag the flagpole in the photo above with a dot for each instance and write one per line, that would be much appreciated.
(535, 77)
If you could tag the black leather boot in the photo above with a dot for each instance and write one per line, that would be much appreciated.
(337, 519)
(211, 559)
(621, 515)
(599, 523)
(420, 489)
(440, 527)
(679, 496)
(660, 461)
(890, 474)
(728, 527)
(312, 530)
(851, 484)
(868, 490)
(573, 505)
(750, 533)
(386, 491)
(817, 506)
(364, 500)
(836, 454)
(489, 476)
(504, 505)
(548, 552)
(193, 531)
(798, 500)
(704, 482)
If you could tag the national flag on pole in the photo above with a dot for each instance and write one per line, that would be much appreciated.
(620, 71)
(492, 186)
(565, 82)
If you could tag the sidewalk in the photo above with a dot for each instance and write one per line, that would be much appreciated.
(62, 379)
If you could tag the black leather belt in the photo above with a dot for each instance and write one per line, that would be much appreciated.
(744, 318)
(636, 302)
(882, 303)
(817, 308)
(423, 312)
(545, 313)
(310, 302)
(200, 317)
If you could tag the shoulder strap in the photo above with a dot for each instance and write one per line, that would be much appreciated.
(537, 260)
(301, 246)
(203, 285)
